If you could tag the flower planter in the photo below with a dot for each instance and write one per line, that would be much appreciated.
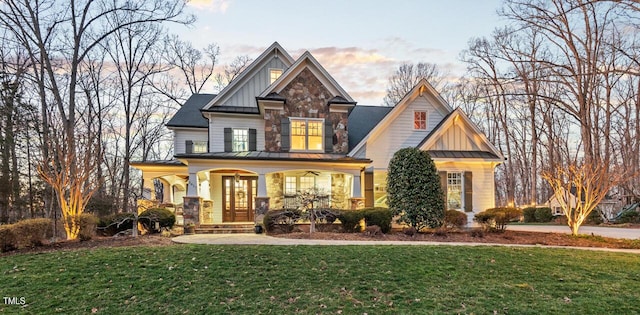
(189, 229)
(258, 229)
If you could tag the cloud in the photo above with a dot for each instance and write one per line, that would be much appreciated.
(216, 6)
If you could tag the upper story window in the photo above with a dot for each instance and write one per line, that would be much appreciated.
(420, 120)
(199, 146)
(240, 140)
(274, 74)
(307, 134)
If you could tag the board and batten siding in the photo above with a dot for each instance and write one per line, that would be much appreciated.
(246, 95)
(483, 185)
(400, 134)
(457, 138)
(180, 136)
(217, 125)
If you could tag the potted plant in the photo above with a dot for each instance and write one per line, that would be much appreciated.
(259, 229)
(189, 228)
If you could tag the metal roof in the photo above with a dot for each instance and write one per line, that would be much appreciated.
(463, 154)
(275, 156)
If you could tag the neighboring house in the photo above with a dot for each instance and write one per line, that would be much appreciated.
(284, 126)
(609, 207)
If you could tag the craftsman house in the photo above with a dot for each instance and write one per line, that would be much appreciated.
(284, 126)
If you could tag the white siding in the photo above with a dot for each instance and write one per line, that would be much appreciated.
(458, 138)
(483, 182)
(246, 94)
(180, 136)
(217, 125)
(400, 133)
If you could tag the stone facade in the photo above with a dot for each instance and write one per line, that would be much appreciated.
(340, 191)
(306, 98)
(275, 186)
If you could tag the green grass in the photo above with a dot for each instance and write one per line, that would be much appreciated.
(200, 279)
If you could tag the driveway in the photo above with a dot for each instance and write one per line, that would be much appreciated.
(629, 233)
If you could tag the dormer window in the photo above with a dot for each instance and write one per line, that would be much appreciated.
(274, 74)
(306, 134)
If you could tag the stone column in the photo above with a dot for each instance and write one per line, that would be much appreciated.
(191, 210)
(262, 200)
(357, 203)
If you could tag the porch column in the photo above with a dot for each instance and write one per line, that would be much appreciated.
(193, 187)
(261, 200)
(166, 192)
(357, 201)
(148, 190)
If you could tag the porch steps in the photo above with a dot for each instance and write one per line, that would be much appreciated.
(225, 228)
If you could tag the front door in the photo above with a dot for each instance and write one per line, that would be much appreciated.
(237, 198)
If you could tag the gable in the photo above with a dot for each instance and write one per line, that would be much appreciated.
(457, 133)
(253, 80)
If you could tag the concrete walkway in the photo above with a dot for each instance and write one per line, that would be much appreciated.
(632, 234)
(261, 239)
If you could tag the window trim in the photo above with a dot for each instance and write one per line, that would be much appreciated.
(203, 144)
(462, 201)
(292, 120)
(426, 120)
(233, 139)
(272, 71)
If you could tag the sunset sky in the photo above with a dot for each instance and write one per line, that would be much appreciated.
(360, 42)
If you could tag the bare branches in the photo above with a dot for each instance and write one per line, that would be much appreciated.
(407, 76)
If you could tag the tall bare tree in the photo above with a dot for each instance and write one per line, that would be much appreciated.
(408, 75)
(59, 37)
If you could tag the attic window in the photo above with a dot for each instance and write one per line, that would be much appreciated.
(420, 120)
(274, 74)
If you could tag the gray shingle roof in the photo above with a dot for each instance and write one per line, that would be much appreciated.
(462, 154)
(189, 114)
(362, 119)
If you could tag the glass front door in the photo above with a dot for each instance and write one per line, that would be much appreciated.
(237, 198)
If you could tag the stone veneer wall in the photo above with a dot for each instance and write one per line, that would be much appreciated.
(307, 98)
(275, 184)
(339, 191)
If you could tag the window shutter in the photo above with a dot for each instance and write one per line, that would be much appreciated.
(443, 184)
(188, 146)
(285, 134)
(468, 192)
(328, 136)
(228, 139)
(252, 140)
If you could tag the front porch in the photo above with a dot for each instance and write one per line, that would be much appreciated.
(234, 198)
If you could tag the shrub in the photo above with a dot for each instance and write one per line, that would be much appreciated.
(378, 216)
(529, 214)
(454, 218)
(496, 219)
(281, 220)
(630, 217)
(88, 224)
(594, 217)
(154, 220)
(115, 223)
(8, 239)
(544, 214)
(350, 220)
(32, 232)
(413, 189)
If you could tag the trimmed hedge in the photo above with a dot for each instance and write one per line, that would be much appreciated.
(629, 217)
(88, 225)
(350, 220)
(7, 238)
(378, 216)
(455, 218)
(496, 219)
(529, 214)
(25, 233)
(164, 218)
(544, 214)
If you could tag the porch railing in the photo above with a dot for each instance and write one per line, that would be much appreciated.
(294, 202)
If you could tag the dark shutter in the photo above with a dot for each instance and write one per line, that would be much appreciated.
(368, 188)
(228, 139)
(188, 146)
(468, 192)
(285, 134)
(443, 184)
(252, 140)
(328, 136)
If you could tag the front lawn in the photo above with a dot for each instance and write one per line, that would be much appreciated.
(200, 279)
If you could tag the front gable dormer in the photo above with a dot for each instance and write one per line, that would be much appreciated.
(305, 110)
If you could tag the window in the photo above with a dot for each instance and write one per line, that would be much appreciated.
(454, 191)
(290, 185)
(240, 140)
(420, 120)
(199, 146)
(274, 74)
(306, 134)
